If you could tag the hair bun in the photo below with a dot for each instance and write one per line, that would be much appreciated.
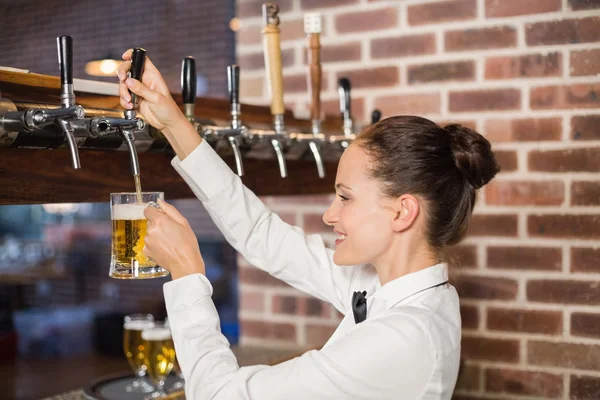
(472, 154)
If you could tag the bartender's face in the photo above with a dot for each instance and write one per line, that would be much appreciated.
(357, 215)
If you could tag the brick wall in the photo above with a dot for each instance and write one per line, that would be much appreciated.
(526, 75)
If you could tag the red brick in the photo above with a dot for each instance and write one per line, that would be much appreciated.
(471, 124)
(439, 72)
(366, 20)
(294, 30)
(480, 287)
(585, 259)
(566, 355)
(249, 34)
(481, 38)
(585, 62)
(511, 8)
(313, 223)
(371, 77)
(585, 127)
(584, 95)
(268, 330)
(529, 321)
(254, 61)
(569, 160)
(564, 226)
(564, 291)
(317, 335)
(315, 308)
(403, 46)
(256, 276)
(248, 9)
(252, 87)
(531, 383)
(331, 53)
(493, 225)
(507, 159)
(441, 11)
(285, 304)
(585, 324)
(523, 130)
(577, 5)
(469, 316)
(528, 66)
(463, 256)
(521, 193)
(312, 4)
(252, 301)
(585, 193)
(485, 100)
(484, 349)
(584, 387)
(357, 106)
(469, 378)
(412, 104)
(568, 31)
(295, 83)
(525, 258)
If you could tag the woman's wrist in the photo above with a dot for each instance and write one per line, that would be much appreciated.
(182, 136)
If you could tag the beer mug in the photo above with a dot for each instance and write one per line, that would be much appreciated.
(129, 224)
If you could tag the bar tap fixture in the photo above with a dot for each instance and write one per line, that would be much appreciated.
(344, 93)
(127, 126)
(312, 28)
(35, 119)
(272, 49)
(375, 116)
(236, 131)
(188, 87)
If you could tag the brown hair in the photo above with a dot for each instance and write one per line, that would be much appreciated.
(444, 166)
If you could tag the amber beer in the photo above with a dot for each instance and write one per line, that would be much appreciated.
(129, 227)
(159, 354)
(133, 344)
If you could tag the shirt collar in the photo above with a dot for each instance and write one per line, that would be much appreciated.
(393, 292)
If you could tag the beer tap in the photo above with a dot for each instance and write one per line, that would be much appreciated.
(127, 126)
(312, 28)
(272, 49)
(375, 116)
(347, 125)
(35, 119)
(236, 131)
(188, 87)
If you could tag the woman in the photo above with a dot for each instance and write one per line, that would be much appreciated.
(405, 192)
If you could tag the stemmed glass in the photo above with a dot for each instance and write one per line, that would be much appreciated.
(159, 356)
(133, 346)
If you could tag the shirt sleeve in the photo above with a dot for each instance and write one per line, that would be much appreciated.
(267, 242)
(388, 358)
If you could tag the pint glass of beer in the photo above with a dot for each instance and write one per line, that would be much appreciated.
(129, 224)
(159, 355)
(134, 349)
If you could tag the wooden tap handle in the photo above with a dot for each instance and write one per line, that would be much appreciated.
(272, 49)
(314, 75)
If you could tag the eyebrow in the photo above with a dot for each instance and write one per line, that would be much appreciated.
(341, 185)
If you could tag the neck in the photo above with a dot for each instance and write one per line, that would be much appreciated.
(404, 257)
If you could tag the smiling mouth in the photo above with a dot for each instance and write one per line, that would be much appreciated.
(341, 237)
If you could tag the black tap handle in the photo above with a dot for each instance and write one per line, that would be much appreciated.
(344, 93)
(65, 59)
(375, 116)
(138, 59)
(233, 83)
(188, 80)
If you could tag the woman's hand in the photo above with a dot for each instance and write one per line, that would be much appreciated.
(155, 101)
(171, 243)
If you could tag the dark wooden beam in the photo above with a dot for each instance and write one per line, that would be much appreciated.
(30, 176)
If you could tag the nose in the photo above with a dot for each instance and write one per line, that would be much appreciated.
(330, 216)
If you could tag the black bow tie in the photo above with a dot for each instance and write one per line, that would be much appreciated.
(359, 306)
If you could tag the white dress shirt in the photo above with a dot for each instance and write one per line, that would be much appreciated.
(407, 348)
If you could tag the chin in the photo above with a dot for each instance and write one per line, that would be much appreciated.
(345, 259)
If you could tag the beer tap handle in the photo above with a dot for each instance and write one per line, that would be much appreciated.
(138, 59)
(280, 158)
(236, 154)
(375, 116)
(272, 49)
(233, 86)
(65, 63)
(312, 27)
(344, 93)
(188, 86)
(314, 148)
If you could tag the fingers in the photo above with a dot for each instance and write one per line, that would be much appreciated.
(142, 90)
(172, 212)
(152, 214)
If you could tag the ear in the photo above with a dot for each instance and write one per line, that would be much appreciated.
(406, 209)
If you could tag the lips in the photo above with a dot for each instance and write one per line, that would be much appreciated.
(341, 237)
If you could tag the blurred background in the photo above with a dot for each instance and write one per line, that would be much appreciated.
(526, 74)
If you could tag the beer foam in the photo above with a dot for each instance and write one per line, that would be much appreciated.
(128, 211)
(156, 334)
(138, 325)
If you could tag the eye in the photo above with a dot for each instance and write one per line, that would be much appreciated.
(344, 198)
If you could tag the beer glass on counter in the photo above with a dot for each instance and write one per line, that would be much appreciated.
(129, 225)
(134, 346)
(159, 355)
